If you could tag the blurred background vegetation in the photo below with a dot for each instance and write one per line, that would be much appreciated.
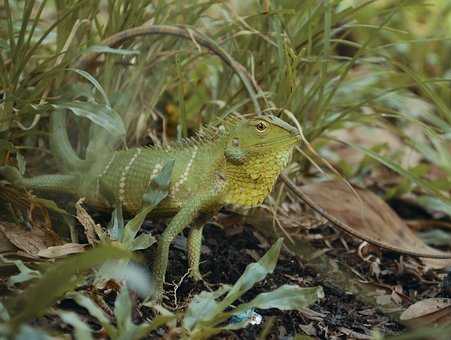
(337, 66)
(369, 81)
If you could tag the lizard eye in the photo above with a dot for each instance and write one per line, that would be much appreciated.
(261, 126)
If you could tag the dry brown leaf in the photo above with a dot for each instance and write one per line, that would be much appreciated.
(30, 240)
(371, 219)
(87, 222)
(63, 250)
(5, 244)
(432, 311)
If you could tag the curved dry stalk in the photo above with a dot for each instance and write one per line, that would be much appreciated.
(182, 32)
(346, 228)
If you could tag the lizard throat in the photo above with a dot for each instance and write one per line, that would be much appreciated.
(249, 184)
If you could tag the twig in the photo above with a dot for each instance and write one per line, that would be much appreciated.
(183, 32)
(343, 226)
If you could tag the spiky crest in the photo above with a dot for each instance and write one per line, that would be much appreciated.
(207, 133)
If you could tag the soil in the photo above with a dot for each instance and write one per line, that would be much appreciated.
(339, 315)
(225, 258)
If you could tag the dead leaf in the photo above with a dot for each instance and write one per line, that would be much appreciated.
(353, 334)
(30, 240)
(5, 244)
(87, 222)
(371, 219)
(432, 311)
(63, 250)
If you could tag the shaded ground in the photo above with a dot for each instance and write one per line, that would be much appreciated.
(389, 281)
(225, 257)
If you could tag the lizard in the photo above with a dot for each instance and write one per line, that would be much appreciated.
(235, 163)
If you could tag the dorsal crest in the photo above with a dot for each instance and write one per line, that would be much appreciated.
(208, 133)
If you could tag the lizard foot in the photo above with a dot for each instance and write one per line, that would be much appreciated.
(196, 275)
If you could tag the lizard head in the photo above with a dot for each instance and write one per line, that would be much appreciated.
(256, 150)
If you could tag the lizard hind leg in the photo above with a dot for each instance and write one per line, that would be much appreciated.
(194, 250)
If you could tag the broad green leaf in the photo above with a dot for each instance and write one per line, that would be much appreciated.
(141, 242)
(145, 328)
(286, 297)
(4, 315)
(25, 274)
(81, 330)
(92, 308)
(205, 311)
(202, 307)
(29, 333)
(254, 273)
(59, 279)
(102, 115)
(159, 186)
(116, 226)
(123, 309)
(126, 329)
(133, 226)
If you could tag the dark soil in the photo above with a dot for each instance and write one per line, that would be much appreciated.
(225, 255)
(225, 258)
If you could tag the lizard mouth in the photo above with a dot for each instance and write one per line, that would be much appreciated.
(288, 141)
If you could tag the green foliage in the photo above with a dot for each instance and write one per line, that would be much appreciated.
(124, 327)
(206, 314)
(57, 281)
(25, 274)
(333, 64)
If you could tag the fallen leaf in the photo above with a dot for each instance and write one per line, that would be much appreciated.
(368, 217)
(427, 312)
(60, 251)
(5, 244)
(353, 334)
(30, 240)
(87, 222)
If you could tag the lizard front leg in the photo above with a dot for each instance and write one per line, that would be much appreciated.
(194, 249)
(181, 220)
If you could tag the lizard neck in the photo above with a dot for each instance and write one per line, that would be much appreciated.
(248, 184)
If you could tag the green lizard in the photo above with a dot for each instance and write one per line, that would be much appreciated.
(236, 163)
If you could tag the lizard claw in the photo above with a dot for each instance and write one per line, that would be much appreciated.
(196, 275)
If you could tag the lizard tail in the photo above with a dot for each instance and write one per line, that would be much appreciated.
(60, 144)
(52, 183)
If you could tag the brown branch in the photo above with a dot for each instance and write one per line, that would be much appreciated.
(182, 32)
(343, 226)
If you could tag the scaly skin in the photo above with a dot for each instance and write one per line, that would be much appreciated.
(236, 163)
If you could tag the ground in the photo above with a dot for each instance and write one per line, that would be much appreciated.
(225, 256)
